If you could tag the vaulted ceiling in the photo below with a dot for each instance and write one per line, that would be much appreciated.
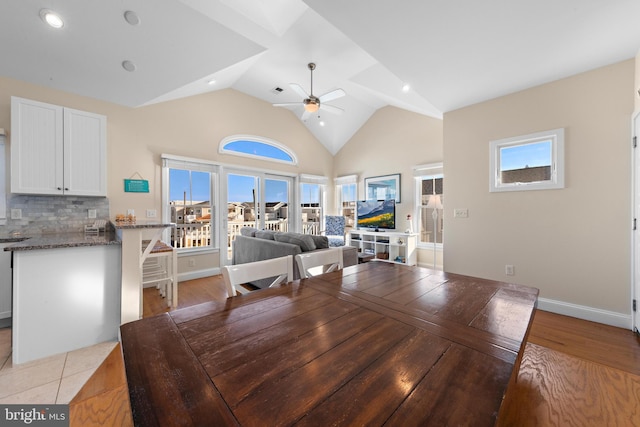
(451, 53)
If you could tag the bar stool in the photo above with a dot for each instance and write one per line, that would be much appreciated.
(160, 267)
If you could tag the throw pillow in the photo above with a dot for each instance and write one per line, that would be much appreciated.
(321, 242)
(303, 240)
(248, 231)
(265, 234)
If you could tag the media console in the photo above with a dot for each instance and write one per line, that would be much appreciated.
(389, 246)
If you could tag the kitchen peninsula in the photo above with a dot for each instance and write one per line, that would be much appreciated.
(66, 293)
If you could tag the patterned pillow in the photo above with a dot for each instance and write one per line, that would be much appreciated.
(303, 240)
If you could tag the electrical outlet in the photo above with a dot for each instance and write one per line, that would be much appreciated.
(461, 213)
(509, 270)
(16, 213)
(131, 212)
(91, 213)
(192, 262)
(151, 213)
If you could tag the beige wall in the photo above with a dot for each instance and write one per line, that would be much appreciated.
(191, 127)
(393, 141)
(574, 243)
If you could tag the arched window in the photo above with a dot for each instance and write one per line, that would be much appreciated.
(258, 148)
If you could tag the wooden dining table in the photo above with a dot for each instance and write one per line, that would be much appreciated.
(373, 344)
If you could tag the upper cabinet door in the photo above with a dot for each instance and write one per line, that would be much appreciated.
(85, 153)
(36, 147)
(56, 150)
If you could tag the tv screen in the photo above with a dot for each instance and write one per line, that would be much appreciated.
(376, 214)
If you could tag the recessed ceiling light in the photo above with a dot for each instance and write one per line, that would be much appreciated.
(406, 87)
(131, 17)
(321, 123)
(128, 65)
(51, 18)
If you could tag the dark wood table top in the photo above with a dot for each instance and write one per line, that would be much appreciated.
(373, 344)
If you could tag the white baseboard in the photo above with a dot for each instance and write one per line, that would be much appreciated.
(198, 274)
(592, 314)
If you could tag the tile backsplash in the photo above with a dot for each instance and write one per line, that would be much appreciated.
(52, 214)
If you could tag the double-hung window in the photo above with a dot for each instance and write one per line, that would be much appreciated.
(188, 194)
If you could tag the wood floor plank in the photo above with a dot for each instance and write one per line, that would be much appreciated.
(556, 389)
(608, 345)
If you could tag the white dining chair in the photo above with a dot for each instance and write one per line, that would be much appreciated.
(318, 262)
(235, 275)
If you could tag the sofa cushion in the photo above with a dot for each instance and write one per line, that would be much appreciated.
(305, 241)
(321, 242)
(248, 231)
(265, 234)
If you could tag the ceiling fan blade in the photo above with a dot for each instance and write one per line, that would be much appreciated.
(331, 109)
(334, 94)
(298, 89)
(287, 104)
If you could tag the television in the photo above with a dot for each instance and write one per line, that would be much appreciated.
(376, 214)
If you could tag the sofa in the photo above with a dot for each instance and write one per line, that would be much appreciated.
(257, 245)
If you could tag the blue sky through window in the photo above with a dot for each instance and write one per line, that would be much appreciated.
(525, 155)
(190, 185)
(259, 149)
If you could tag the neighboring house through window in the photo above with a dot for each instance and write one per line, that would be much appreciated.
(188, 194)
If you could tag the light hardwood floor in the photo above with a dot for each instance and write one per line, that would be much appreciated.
(573, 373)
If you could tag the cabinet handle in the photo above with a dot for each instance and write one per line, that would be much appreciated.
(59, 188)
(66, 189)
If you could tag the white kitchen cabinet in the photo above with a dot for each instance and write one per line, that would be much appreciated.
(57, 150)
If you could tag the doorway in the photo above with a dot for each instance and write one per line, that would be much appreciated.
(255, 199)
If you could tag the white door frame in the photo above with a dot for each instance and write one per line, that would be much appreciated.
(635, 212)
(261, 177)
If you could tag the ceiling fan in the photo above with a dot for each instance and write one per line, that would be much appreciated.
(314, 103)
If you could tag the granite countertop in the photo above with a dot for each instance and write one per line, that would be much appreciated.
(62, 240)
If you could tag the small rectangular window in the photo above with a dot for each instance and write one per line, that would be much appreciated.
(528, 162)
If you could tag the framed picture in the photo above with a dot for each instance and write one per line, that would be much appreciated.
(383, 187)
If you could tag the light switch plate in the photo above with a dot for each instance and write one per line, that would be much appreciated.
(461, 213)
(151, 213)
(91, 213)
(16, 213)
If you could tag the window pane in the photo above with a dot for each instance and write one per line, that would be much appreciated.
(258, 149)
(311, 209)
(191, 208)
(526, 162)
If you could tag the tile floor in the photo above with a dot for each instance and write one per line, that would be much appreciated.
(54, 379)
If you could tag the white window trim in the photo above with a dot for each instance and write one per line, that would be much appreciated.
(260, 139)
(557, 162)
(170, 161)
